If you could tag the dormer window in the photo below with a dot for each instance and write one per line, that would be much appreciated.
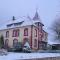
(19, 23)
(26, 32)
(9, 25)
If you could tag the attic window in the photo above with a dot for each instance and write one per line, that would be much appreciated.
(19, 23)
(9, 25)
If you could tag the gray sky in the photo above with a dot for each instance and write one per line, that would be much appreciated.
(47, 9)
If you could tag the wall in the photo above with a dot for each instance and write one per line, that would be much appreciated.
(45, 35)
(19, 38)
(47, 58)
(21, 35)
(33, 37)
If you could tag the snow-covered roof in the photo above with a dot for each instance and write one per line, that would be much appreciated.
(22, 21)
(54, 42)
(36, 17)
(34, 21)
(26, 22)
(16, 21)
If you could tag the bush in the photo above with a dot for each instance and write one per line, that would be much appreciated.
(26, 49)
(17, 48)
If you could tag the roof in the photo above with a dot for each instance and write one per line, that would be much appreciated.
(36, 17)
(22, 21)
(16, 21)
(26, 22)
(54, 42)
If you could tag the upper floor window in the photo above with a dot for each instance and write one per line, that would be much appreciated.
(26, 32)
(35, 32)
(7, 33)
(16, 33)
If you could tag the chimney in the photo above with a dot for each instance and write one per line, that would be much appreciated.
(13, 18)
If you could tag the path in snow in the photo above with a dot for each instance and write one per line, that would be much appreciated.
(14, 56)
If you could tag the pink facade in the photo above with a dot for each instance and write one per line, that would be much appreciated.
(27, 31)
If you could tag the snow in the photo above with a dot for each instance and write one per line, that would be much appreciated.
(54, 42)
(27, 44)
(27, 22)
(3, 26)
(16, 56)
(34, 21)
(16, 21)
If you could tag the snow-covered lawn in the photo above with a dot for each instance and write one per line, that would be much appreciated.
(14, 56)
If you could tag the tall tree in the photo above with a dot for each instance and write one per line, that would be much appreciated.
(56, 28)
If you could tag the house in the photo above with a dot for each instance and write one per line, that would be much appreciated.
(55, 45)
(44, 40)
(24, 30)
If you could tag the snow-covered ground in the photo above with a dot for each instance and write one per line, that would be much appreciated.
(14, 56)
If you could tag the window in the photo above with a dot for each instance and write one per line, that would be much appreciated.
(26, 40)
(19, 23)
(15, 42)
(9, 25)
(16, 33)
(35, 32)
(6, 43)
(7, 33)
(40, 35)
(35, 43)
(26, 32)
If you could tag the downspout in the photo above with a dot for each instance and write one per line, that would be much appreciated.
(38, 35)
(31, 35)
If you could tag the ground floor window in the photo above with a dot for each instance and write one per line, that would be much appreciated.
(35, 43)
(42, 45)
(25, 40)
(6, 43)
(15, 42)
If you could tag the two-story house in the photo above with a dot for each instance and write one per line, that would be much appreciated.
(24, 30)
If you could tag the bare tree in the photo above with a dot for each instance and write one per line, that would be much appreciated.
(56, 28)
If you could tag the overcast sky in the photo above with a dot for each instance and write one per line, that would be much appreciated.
(47, 9)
